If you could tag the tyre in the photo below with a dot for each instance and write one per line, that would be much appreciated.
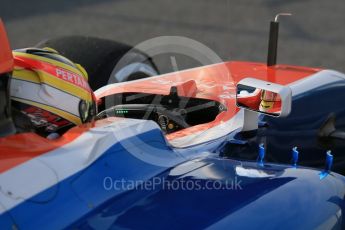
(104, 60)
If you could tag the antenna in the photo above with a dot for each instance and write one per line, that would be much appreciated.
(273, 40)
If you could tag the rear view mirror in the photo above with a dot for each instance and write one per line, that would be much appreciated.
(264, 97)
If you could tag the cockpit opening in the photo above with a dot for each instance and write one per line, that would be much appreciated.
(171, 112)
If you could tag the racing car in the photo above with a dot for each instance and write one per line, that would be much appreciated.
(178, 150)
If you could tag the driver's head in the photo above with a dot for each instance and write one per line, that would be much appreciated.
(51, 91)
(268, 99)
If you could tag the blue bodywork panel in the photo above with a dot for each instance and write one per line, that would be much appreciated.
(185, 191)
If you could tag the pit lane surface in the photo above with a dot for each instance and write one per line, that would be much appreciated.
(235, 30)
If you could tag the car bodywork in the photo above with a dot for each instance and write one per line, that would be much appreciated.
(69, 182)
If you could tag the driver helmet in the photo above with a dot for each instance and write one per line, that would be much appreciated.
(52, 91)
(270, 102)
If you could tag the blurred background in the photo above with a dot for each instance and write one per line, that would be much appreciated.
(234, 29)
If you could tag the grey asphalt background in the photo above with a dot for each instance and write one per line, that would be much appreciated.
(235, 30)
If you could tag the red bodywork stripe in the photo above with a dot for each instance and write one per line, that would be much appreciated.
(6, 58)
(207, 82)
(17, 149)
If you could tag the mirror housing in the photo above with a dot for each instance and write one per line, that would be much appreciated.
(264, 97)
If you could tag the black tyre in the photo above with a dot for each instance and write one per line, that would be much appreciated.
(104, 60)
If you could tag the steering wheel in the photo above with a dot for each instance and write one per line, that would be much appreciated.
(169, 120)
